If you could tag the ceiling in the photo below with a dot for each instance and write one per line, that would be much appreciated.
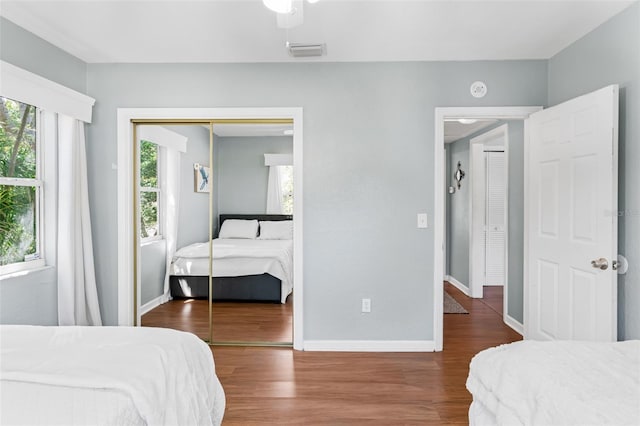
(454, 130)
(116, 31)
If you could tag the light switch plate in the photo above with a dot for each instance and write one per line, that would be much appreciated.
(422, 220)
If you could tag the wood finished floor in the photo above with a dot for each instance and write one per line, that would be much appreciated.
(282, 386)
(232, 321)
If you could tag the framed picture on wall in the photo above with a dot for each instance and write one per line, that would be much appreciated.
(201, 178)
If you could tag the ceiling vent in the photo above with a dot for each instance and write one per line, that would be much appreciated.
(305, 50)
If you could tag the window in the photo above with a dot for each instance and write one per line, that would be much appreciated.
(21, 189)
(150, 191)
(286, 184)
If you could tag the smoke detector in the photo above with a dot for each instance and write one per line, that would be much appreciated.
(303, 50)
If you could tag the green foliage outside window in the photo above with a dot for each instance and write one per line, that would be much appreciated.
(18, 204)
(148, 180)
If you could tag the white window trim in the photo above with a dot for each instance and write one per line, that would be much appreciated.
(32, 89)
(159, 190)
(39, 262)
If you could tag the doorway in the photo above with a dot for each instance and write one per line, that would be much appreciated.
(127, 119)
(441, 178)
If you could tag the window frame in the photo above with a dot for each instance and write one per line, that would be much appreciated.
(38, 183)
(159, 195)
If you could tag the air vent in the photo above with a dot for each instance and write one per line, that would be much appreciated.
(303, 50)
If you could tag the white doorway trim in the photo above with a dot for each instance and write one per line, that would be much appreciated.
(125, 196)
(477, 207)
(501, 113)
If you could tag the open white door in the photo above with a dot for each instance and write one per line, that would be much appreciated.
(571, 187)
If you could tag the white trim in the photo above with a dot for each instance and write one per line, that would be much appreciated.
(163, 298)
(478, 174)
(24, 86)
(125, 196)
(438, 149)
(514, 324)
(457, 284)
(370, 345)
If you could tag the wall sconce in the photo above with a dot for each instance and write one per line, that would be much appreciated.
(458, 175)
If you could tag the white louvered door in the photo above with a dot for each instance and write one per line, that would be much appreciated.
(495, 218)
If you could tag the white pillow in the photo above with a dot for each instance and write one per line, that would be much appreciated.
(239, 228)
(276, 230)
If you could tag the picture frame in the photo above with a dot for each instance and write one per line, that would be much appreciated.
(202, 178)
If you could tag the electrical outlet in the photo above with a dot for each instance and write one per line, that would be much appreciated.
(366, 305)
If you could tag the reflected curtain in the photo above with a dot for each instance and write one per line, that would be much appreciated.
(274, 191)
(77, 291)
(172, 202)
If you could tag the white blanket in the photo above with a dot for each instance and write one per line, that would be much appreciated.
(558, 383)
(168, 375)
(239, 257)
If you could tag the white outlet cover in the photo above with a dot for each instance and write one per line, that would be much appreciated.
(478, 89)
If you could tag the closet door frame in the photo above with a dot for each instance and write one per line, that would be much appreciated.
(128, 118)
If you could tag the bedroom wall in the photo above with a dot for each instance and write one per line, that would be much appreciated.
(153, 261)
(193, 215)
(242, 175)
(608, 55)
(368, 155)
(32, 298)
(458, 214)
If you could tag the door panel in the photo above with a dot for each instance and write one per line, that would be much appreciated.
(571, 198)
(495, 218)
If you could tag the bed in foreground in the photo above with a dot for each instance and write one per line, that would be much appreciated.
(556, 383)
(106, 375)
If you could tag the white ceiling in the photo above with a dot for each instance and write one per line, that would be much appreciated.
(361, 30)
(454, 130)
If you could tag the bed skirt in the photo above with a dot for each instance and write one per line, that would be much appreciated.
(249, 288)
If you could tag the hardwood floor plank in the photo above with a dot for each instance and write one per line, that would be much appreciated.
(285, 387)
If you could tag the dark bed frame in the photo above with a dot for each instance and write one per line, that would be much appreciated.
(249, 288)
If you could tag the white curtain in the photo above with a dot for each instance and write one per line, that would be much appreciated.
(274, 191)
(77, 292)
(274, 184)
(171, 201)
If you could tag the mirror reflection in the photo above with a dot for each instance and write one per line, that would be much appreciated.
(248, 183)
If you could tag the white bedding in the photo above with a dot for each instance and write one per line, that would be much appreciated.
(239, 257)
(556, 383)
(107, 375)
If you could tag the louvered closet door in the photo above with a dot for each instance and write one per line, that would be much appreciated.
(495, 219)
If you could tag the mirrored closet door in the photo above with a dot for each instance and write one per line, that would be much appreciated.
(214, 228)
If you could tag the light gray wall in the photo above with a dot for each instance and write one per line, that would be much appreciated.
(516, 219)
(368, 156)
(242, 175)
(28, 51)
(448, 181)
(609, 55)
(153, 261)
(193, 214)
(32, 299)
(458, 213)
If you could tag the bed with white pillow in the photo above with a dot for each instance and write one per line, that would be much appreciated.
(556, 383)
(252, 261)
(106, 375)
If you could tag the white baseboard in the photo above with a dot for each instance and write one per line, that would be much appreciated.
(370, 345)
(164, 298)
(514, 324)
(457, 284)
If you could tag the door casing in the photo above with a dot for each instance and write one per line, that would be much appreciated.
(439, 193)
